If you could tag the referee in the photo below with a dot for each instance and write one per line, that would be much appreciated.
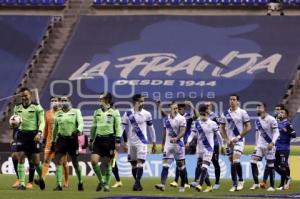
(29, 136)
(105, 139)
(68, 124)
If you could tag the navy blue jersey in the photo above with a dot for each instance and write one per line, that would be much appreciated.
(286, 134)
(189, 121)
(214, 117)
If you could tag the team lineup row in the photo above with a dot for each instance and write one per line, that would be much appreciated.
(203, 130)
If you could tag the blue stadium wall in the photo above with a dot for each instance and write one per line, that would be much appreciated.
(180, 58)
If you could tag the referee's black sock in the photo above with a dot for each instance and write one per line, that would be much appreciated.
(115, 171)
(254, 169)
(31, 172)
(15, 163)
(186, 177)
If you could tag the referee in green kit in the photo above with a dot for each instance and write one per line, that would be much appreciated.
(68, 124)
(105, 140)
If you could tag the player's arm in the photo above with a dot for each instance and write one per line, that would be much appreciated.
(182, 129)
(93, 127)
(41, 122)
(164, 133)
(223, 129)
(218, 134)
(246, 128)
(152, 133)
(192, 135)
(162, 112)
(118, 128)
(275, 132)
(194, 110)
(45, 133)
(290, 130)
(79, 122)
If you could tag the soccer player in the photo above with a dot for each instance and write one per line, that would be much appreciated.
(48, 154)
(277, 110)
(266, 137)
(204, 130)
(106, 138)
(283, 149)
(138, 121)
(189, 120)
(234, 125)
(173, 146)
(68, 124)
(29, 136)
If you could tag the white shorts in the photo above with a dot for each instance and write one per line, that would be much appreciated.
(264, 152)
(238, 147)
(137, 152)
(205, 155)
(174, 151)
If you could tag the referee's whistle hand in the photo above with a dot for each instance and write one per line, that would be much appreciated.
(117, 146)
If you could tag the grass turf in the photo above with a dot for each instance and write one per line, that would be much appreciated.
(90, 183)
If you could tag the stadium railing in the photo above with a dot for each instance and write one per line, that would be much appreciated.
(33, 2)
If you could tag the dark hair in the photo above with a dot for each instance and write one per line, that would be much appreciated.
(52, 97)
(281, 106)
(136, 97)
(235, 95)
(171, 103)
(181, 105)
(262, 104)
(25, 89)
(203, 108)
(108, 97)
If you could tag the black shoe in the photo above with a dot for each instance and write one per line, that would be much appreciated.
(37, 182)
(106, 188)
(99, 187)
(21, 187)
(137, 187)
(58, 188)
(42, 183)
(80, 186)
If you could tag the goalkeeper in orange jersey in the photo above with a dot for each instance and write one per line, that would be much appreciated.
(49, 155)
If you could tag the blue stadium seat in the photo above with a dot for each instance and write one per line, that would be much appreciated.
(59, 2)
(188, 2)
(47, 2)
(263, 2)
(136, 2)
(11, 2)
(200, 2)
(162, 2)
(110, 2)
(123, 2)
(297, 2)
(34, 2)
(175, 2)
(98, 2)
(150, 2)
(286, 2)
(236, 2)
(213, 2)
(23, 2)
(1, 2)
(225, 2)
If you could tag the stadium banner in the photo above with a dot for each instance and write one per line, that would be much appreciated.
(153, 166)
(166, 58)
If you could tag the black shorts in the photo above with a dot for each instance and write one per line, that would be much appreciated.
(282, 158)
(25, 142)
(104, 146)
(67, 144)
(216, 153)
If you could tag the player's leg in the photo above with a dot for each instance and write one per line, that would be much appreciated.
(21, 170)
(232, 170)
(65, 165)
(38, 167)
(215, 161)
(74, 159)
(270, 158)
(58, 163)
(48, 157)
(106, 171)
(14, 157)
(95, 164)
(115, 171)
(197, 172)
(204, 177)
(166, 162)
(236, 159)
(132, 159)
(255, 157)
(141, 158)
(29, 185)
(182, 171)
(280, 169)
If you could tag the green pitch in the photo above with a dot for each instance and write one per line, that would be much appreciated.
(90, 183)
